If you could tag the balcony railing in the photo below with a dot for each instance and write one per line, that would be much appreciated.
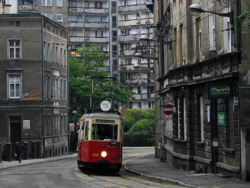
(76, 39)
(27, 7)
(92, 39)
(128, 8)
(75, 24)
(95, 25)
(96, 11)
(128, 23)
(125, 38)
(76, 10)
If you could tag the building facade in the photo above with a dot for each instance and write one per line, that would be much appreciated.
(202, 72)
(34, 82)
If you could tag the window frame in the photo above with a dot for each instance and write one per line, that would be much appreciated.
(61, 17)
(14, 75)
(15, 48)
(58, 4)
(46, 4)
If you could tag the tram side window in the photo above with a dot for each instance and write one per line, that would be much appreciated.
(86, 130)
(104, 132)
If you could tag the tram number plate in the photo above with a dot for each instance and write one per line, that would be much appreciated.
(113, 143)
(95, 154)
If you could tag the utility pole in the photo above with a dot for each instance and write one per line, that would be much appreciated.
(110, 42)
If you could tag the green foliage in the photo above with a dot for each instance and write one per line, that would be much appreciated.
(139, 128)
(245, 17)
(81, 70)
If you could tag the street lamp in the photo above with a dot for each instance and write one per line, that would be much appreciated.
(195, 10)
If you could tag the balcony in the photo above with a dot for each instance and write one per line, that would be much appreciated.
(128, 23)
(96, 11)
(75, 24)
(126, 38)
(24, 8)
(76, 39)
(76, 10)
(96, 25)
(128, 8)
(97, 40)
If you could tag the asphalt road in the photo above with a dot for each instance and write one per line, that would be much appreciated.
(65, 174)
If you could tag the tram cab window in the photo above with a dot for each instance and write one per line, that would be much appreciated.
(104, 132)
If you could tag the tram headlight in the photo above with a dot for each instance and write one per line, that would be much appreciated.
(104, 154)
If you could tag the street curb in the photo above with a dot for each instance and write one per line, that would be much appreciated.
(13, 164)
(173, 181)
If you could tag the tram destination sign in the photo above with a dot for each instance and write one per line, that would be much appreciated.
(218, 91)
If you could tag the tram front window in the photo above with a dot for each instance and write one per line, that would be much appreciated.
(104, 132)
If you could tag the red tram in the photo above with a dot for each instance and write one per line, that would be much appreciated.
(100, 141)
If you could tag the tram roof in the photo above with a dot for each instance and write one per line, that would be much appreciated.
(101, 115)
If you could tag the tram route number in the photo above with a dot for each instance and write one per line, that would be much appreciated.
(105, 105)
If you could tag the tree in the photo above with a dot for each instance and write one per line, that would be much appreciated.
(139, 128)
(81, 71)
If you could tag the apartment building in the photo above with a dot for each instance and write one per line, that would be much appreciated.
(203, 73)
(136, 66)
(130, 19)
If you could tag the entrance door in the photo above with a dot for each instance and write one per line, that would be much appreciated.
(15, 129)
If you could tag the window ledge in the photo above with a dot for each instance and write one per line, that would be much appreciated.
(228, 150)
(180, 141)
(167, 136)
(199, 143)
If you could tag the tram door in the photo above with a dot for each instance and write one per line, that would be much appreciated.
(15, 129)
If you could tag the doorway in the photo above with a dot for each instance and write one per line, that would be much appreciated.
(15, 129)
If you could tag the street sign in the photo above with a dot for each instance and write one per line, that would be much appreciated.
(168, 109)
(105, 106)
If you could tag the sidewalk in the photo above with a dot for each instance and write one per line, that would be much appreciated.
(10, 164)
(152, 167)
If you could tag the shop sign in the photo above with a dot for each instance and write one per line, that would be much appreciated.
(217, 91)
(221, 119)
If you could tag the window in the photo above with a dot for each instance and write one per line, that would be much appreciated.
(86, 4)
(59, 17)
(212, 32)
(14, 86)
(185, 118)
(87, 34)
(227, 31)
(72, 4)
(175, 47)
(126, 31)
(198, 39)
(202, 118)
(113, 7)
(72, 18)
(48, 15)
(60, 3)
(99, 34)
(138, 90)
(178, 119)
(99, 19)
(14, 49)
(113, 21)
(49, 52)
(180, 45)
(114, 35)
(105, 132)
(127, 2)
(47, 2)
(114, 50)
(98, 5)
